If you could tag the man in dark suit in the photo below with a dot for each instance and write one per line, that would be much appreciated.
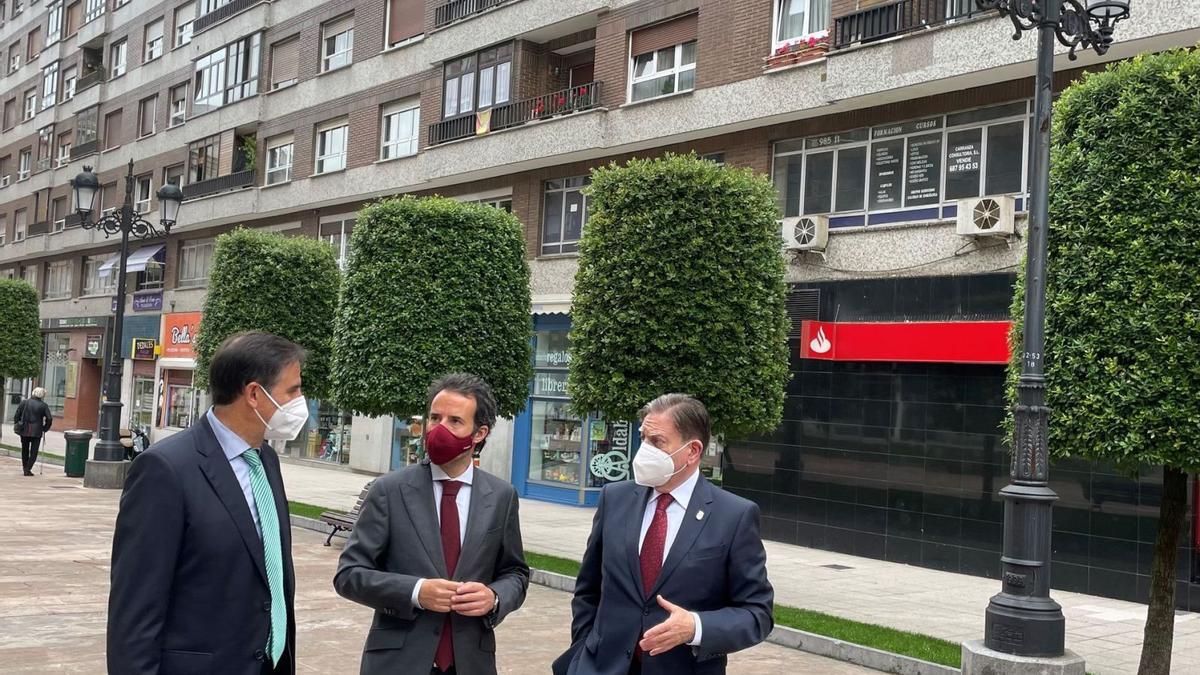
(437, 547)
(674, 576)
(202, 578)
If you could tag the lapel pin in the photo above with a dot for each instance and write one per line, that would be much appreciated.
(699, 515)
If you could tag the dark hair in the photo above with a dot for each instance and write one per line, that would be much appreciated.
(688, 414)
(474, 386)
(248, 357)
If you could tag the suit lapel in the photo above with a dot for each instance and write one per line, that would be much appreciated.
(689, 531)
(479, 515)
(418, 501)
(225, 483)
(633, 532)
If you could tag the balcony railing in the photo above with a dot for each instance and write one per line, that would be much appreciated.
(72, 220)
(221, 13)
(898, 18)
(212, 186)
(89, 80)
(43, 165)
(457, 10)
(575, 99)
(39, 228)
(85, 149)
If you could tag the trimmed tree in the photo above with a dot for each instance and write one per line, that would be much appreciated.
(282, 285)
(433, 286)
(1123, 293)
(20, 332)
(680, 288)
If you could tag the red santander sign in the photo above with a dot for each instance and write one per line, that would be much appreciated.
(982, 342)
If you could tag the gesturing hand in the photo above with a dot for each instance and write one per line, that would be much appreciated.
(436, 594)
(473, 599)
(678, 629)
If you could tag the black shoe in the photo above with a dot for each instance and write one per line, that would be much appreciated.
(28, 473)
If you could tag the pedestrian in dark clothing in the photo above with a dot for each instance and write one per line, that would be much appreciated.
(31, 423)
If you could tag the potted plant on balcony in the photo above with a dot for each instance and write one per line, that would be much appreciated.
(798, 51)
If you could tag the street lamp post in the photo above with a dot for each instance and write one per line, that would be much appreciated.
(126, 223)
(1022, 619)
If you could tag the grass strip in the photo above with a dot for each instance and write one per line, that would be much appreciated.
(41, 454)
(306, 510)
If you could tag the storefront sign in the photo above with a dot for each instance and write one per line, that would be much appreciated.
(886, 174)
(179, 335)
(923, 170)
(550, 384)
(74, 322)
(144, 349)
(614, 464)
(143, 302)
(93, 346)
(923, 342)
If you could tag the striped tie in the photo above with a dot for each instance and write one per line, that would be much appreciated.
(272, 552)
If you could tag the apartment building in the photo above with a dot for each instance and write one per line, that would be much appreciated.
(878, 122)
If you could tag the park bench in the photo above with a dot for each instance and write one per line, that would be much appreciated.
(345, 521)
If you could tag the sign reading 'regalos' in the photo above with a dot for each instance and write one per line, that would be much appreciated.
(927, 342)
(179, 335)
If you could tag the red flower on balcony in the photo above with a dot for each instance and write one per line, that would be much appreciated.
(583, 90)
(539, 107)
(562, 100)
(812, 40)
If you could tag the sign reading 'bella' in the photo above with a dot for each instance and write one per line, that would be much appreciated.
(921, 342)
(179, 335)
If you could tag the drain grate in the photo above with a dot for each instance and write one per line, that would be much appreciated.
(837, 567)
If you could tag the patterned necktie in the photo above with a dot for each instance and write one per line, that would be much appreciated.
(451, 547)
(268, 517)
(655, 543)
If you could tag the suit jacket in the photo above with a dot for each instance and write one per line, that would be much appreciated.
(189, 583)
(397, 540)
(36, 412)
(716, 567)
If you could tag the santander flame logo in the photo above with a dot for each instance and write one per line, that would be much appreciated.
(820, 344)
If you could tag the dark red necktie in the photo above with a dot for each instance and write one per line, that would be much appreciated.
(451, 547)
(654, 544)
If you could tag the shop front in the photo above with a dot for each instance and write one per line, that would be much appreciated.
(559, 456)
(325, 437)
(166, 398)
(72, 370)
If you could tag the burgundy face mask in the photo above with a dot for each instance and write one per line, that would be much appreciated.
(442, 445)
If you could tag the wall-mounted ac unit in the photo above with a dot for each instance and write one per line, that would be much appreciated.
(806, 233)
(987, 216)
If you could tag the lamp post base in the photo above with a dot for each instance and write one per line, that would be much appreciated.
(106, 475)
(977, 659)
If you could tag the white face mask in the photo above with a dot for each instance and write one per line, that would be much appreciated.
(653, 467)
(287, 421)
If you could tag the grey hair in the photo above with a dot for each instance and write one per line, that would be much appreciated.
(38, 392)
(687, 413)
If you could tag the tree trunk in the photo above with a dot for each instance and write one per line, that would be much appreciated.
(1160, 616)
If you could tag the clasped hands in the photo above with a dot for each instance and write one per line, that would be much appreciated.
(469, 598)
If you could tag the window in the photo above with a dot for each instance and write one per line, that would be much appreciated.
(29, 272)
(800, 18)
(96, 282)
(30, 104)
(332, 141)
(58, 213)
(86, 124)
(18, 7)
(119, 3)
(185, 18)
(93, 10)
(14, 58)
(405, 20)
(10, 114)
(3, 237)
(213, 5)
(185, 403)
(203, 159)
(63, 157)
(337, 233)
(485, 78)
(54, 23)
(564, 213)
(69, 78)
(33, 43)
(58, 280)
(178, 105)
(401, 130)
(665, 71)
(502, 203)
(279, 161)
(173, 175)
(154, 40)
(50, 85)
(54, 372)
(152, 278)
(195, 262)
(337, 43)
(147, 114)
(285, 63)
(495, 76)
(24, 163)
(116, 57)
(74, 17)
(228, 74)
(142, 190)
(112, 130)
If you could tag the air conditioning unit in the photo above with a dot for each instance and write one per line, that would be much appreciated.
(4, 181)
(60, 224)
(987, 216)
(22, 175)
(806, 233)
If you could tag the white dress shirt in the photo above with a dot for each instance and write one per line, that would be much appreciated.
(234, 447)
(462, 501)
(682, 496)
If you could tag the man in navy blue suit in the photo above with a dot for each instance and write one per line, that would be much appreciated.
(674, 577)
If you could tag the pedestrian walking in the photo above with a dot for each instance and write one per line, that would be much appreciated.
(202, 577)
(32, 421)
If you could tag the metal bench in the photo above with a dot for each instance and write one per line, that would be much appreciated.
(345, 521)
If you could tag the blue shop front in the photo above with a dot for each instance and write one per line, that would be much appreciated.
(559, 456)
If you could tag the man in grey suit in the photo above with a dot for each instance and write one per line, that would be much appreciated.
(437, 547)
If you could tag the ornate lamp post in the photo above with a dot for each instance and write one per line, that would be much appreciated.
(127, 223)
(1022, 619)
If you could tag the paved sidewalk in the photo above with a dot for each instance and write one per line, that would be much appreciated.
(1107, 633)
(54, 595)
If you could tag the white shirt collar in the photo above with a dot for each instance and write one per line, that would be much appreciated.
(466, 477)
(231, 444)
(683, 494)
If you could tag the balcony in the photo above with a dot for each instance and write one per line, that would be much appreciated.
(39, 228)
(898, 18)
(546, 106)
(457, 10)
(90, 80)
(221, 13)
(213, 186)
(84, 149)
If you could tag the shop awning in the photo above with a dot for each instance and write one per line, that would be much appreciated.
(551, 304)
(981, 342)
(138, 260)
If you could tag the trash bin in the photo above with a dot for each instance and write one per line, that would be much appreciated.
(78, 441)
